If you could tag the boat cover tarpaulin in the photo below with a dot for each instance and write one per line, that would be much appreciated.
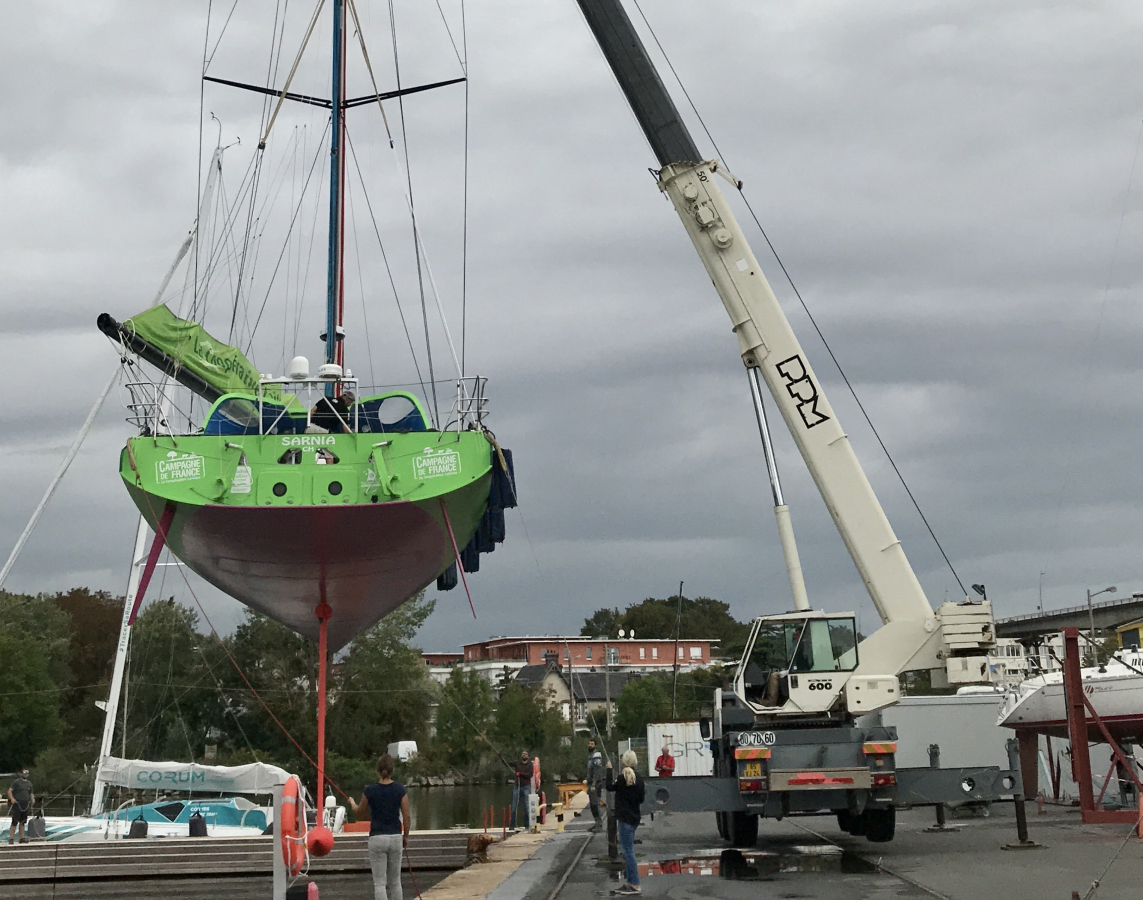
(218, 364)
(141, 774)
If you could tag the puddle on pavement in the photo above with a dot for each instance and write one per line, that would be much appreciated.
(756, 864)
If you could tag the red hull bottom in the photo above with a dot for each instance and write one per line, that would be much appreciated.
(364, 561)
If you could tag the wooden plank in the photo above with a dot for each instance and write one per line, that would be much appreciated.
(196, 857)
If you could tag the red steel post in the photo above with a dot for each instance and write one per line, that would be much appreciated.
(1077, 720)
(323, 613)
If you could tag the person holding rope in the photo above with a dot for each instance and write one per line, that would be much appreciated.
(594, 781)
(522, 789)
(21, 798)
(387, 804)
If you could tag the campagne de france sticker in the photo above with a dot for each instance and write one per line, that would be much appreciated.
(436, 465)
(188, 467)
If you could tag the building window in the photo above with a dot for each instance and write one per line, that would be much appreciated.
(642, 652)
(588, 653)
(681, 652)
(696, 652)
(654, 653)
(566, 653)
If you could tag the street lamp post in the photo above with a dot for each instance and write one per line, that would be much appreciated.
(1091, 619)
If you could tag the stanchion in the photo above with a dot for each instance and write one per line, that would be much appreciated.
(935, 763)
(612, 829)
(1022, 840)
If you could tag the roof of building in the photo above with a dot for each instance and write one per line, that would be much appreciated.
(590, 686)
(586, 686)
(533, 676)
(579, 639)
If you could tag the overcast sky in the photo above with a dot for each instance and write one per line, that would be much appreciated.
(950, 185)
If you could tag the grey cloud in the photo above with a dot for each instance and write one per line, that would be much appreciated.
(945, 183)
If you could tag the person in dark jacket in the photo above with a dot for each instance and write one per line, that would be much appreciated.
(522, 790)
(386, 802)
(332, 413)
(594, 782)
(629, 791)
(21, 798)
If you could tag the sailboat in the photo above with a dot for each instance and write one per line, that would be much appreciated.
(320, 508)
(1115, 688)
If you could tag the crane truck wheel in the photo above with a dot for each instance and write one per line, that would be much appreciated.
(850, 823)
(742, 829)
(880, 824)
(720, 821)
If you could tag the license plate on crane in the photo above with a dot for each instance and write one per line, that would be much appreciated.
(751, 770)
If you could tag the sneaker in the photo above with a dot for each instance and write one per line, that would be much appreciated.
(629, 889)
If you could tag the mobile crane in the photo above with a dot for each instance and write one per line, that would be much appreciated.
(786, 738)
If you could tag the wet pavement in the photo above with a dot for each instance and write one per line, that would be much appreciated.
(681, 857)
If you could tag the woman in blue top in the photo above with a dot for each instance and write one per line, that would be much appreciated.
(387, 804)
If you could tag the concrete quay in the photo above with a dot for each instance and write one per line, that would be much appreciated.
(682, 857)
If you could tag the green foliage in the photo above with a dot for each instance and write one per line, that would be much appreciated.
(94, 618)
(603, 623)
(61, 770)
(282, 667)
(641, 701)
(383, 690)
(648, 699)
(464, 713)
(29, 717)
(524, 720)
(40, 620)
(701, 618)
(173, 700)
(351, 775)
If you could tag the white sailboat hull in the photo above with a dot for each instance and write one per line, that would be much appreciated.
(1115, 691)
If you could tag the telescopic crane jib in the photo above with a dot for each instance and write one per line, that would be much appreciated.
(803, 679)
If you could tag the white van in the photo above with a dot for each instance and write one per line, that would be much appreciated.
(402, 751)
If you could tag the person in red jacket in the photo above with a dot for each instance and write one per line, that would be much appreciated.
(665, 764)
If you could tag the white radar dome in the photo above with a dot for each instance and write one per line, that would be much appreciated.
(329, 370)
(299, 367)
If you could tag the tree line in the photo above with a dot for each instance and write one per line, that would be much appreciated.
(191, 695)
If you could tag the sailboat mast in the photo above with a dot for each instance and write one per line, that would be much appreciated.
(335, 299)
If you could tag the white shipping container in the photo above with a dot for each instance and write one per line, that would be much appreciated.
(692, 754)
(964, 727)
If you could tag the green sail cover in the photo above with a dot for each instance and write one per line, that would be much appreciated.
(216, 363)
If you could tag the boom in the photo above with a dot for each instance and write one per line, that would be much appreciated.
(912, 637)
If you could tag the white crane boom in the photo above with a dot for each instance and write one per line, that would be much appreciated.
(914, 636)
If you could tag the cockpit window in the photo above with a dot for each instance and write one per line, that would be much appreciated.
(821, 645)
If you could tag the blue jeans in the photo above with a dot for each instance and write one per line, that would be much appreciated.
(520, 796)
(627, 842)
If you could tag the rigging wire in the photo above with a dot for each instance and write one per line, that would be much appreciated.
(259, 156)
(451, 39)
(208, 60)
(361, 286)
(385, 259)
(413, 212)
(802, 302)
(201, 126)
(281, 255)
(464, 216)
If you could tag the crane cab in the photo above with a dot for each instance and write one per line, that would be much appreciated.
(797, 663)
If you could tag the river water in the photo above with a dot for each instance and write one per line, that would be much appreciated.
(435, 808)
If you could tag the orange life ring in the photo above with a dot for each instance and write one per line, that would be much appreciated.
(292, 825)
